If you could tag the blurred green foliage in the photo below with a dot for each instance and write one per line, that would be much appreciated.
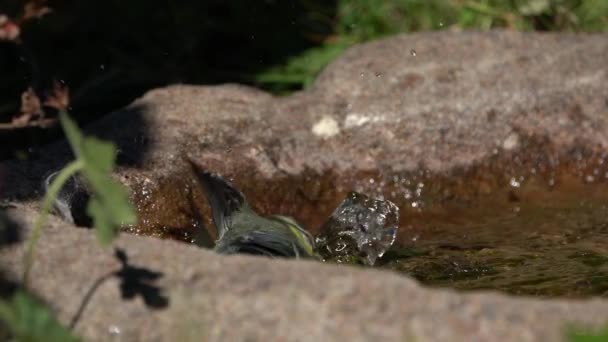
(358, 21)
(28, 320)
(109, 205)
(597, 336)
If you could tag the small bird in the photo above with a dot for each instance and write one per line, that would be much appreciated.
(71, 201)
(241, 230)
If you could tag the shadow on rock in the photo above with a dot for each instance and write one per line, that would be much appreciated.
(134, 281)
(140, 281)
(9, 230)
(9, 234)
(7, 286)
(24, 179)
(129, 131)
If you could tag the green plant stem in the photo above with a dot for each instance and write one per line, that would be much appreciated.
(50, 196)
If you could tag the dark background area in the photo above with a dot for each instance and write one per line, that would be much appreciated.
(108, 53)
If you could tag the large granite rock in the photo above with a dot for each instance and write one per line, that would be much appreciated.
(199, 296)
(436, 103)
(379, 111)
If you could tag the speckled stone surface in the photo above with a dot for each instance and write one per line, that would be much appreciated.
(240, 298)
(461, 98)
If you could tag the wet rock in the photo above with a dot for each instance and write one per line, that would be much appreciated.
(375, 114)
(378, 110)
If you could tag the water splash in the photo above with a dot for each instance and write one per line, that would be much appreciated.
(361, 228)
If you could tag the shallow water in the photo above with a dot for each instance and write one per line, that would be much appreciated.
(533, 223)
(536, 242)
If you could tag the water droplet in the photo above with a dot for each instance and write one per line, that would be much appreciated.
(413, 52)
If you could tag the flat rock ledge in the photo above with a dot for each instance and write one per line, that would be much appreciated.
(206, 297)
(460, 99)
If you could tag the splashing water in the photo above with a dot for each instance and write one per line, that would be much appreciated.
(361, 228)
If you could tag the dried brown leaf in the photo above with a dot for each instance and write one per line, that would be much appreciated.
(22, 120)
(30, 103)
(59, 97)
(35, 9)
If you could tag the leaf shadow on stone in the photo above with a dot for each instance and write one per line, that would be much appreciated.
(140, 281)
(134, 281)
(9, 229)
(9, 234)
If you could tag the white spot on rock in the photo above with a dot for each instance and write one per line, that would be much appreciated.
(355, 120)
(511, 142)
(262, 160)
(326, 127)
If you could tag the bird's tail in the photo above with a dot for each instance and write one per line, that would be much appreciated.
(223, 198)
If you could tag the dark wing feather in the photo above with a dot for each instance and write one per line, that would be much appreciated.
(223, 198)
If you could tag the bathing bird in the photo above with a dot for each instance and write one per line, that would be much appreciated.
(241, 230)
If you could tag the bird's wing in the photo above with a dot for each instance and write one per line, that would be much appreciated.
(223, 198)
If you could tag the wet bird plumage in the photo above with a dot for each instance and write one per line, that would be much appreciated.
(241, 230)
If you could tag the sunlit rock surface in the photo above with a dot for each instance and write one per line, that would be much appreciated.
(179, 292)
(467, 114)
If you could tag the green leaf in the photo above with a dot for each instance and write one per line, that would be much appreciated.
(28, 320)
(109, 205)
(72, 133)
(98, 154)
